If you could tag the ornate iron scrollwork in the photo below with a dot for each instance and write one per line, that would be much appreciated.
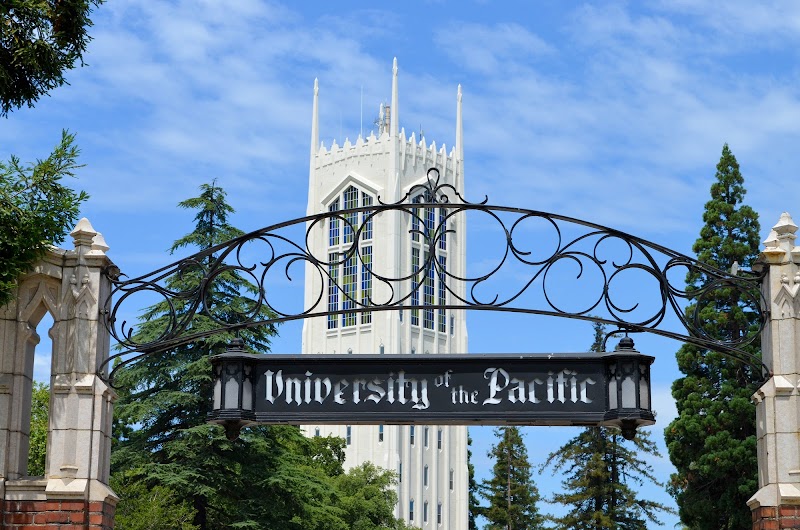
(536, 254)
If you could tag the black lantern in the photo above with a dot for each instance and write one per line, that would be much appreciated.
(629, 399)
(233, 399)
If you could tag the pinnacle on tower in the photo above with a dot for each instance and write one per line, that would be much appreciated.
(395, 116)
(315, 120)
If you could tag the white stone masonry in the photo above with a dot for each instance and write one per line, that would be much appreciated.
(70, 286)
(778, 400)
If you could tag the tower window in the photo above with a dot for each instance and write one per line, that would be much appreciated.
(425, 512)
(366, 282)
(439, 513)
(350, 218)
(442, 293)
(316, 432)
(411, 510)
(349, 435)
(349, 287)
(452, 479)
(349, 269)
(425, 476)
(366, 219)
(415, 219)
(415, 286)
(443, 229)
(425, 437)
(439, 436)
(380, 433)
(333, 288)
(333, 224)
(428, 293)
(400, 472)
(430, 222)
(411, 434)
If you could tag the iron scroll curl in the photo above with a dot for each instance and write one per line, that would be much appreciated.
(525, 274)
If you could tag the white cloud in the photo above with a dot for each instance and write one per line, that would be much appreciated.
(491, 49)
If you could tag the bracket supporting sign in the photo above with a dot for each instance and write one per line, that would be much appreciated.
(610, 389)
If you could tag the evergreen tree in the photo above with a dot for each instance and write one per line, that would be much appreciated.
(266, 479)
(601, 472)
(511, 492)
(149, 508)
(472, 490)
(712, 443)
(36, 210)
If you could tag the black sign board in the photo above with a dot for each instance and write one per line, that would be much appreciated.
(586, 389)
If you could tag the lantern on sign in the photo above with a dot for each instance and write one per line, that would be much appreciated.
(233, 404)
(628, 378)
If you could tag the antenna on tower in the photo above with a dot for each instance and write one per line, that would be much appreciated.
(384, 119)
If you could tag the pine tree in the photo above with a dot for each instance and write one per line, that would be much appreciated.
(472, 490)
(712, 443)
(511, 492)
(601, 472)
(268, 478)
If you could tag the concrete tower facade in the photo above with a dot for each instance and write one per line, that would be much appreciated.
(431, 460)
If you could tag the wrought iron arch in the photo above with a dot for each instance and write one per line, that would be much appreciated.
(581, 244)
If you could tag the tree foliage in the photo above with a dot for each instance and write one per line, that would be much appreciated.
(510, 491)
(149, 508)
(602, 473)
(40, 407)
(36, 210)
(39, 41)
(712, 443)
(366, 498)
(271, 477)
(474, 507)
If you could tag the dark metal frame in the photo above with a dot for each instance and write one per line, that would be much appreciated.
(586, 250)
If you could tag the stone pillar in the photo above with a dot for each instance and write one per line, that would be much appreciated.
(74, 491)
(776, 505)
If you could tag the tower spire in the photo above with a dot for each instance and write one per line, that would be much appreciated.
(459, 154)
(394, 119)
(459, 128)
(315, 119)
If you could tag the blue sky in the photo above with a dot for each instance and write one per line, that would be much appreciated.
(615, 112)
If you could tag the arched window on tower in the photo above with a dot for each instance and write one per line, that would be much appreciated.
(428, 271)
(349, 258)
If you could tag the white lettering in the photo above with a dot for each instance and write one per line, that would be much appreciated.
(378, 392)
(338, 389)
(278, 383)
(293, 388)
(492, 374)
(584, 396)
(318, 383)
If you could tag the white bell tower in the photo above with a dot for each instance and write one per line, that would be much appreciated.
(430, 460)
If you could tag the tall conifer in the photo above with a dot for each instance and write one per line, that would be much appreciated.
(472, 490)
(511, 492)
(602, 472)
(712, 443)
(269, 477)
